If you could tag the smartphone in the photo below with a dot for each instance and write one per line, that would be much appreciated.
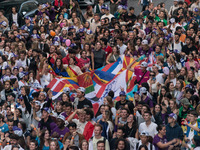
(12, 108)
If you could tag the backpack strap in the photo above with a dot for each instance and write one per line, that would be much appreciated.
(137, 145)
(151, 146)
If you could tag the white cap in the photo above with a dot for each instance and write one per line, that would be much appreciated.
(144, 42)
(144, 133)
(144, 64)
(37, 103)
(143, 90)
(137, 24)
(4, 23)
(66, 89)
(82, 89)
(166, 70)
(61, 117)
(21, 75)
(172, 20)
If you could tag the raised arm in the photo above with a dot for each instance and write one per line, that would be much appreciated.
(129, 66)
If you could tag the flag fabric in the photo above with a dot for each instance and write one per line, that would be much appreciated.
(100, 81)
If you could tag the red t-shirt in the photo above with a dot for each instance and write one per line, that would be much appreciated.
(108, 50)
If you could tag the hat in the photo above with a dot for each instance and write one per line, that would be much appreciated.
(122, 93)
(172, 20)
(144, 133)
(137, 92)
(56, 43)
(61, 117)
(3, 23)
(89, 31)
(106, 7)
(21, 75)
(37, 103)
(6, 78)
(15, 68)
(166, 70)
(185, 101)
(46, 109)
(137, 24)
(72, 27)
(66, 89)
(144, 42)
(143, 90)
(17, 131)
(28, 18)
(196, 9)
(45, 94)
(18, 36)
(81, 30)
(35, 36)
(144, 64)
(82, 89)
(64, 28)
(173, 115)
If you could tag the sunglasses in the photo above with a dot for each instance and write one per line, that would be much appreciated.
(151, 75)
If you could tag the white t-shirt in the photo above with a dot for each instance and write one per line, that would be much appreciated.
(151, 129)
(109, 16)
(140, 143)
(15, 18)
(122, 49)
(191, 133)
(80, 125)
(45, 80)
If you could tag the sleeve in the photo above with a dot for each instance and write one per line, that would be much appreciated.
(156, 140)
(181, 135)
(107, 145)
(28, 105)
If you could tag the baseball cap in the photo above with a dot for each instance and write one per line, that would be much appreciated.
(166, 70)
(21, 75)
(37, 103)
(17, 131)
(28, 18)
(11, 94)
(122, 93)
(185, 101)
(144, 42)
(137, 24)
(82, 89)
(196, 9)
(144, 133)
(61, 117)
(81, 30)
(66, 89)
(45, 94)
(137, 92)
(143, 90)
(46, 109)
(144, 64)
(35, 36)
(172, 20)
(173, 115)
(6, 78)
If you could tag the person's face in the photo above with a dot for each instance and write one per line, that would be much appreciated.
(83, 54)
(13, 142)
(7, 85)
(10, 126)
(98, 45)
(157, 108)
(143, 109)
(41, 96)
(60, 123)
(101, 146)
(192, 118)
(171, 86)
(32, 146)
(175, 3)
(58, 62)
(82, 117)
(68, 110)
(172, 75)
(124, 113)
(187, 41)
(119, 133)
(155, 69)
(121, 145)
(147, 117)
(178, 84)
(72, 129)
(85, 146)
(53, 146)
(46, 135)
(130, 118)
(97, 131)
(122, 98)
(190, 57)
(58, 106)
(45, 114)
(144, 139)
(79, 94)
(96, 18)
(52, 49)
(171, 104)
(157, 49)
(190, 74)
(163, 131)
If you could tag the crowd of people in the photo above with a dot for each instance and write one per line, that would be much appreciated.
(61, 40)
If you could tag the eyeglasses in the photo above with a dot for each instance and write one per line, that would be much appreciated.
(151, 75)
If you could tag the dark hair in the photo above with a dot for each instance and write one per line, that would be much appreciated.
(72, 124)
(99, 142)
(194, 98)
(34, 141)
(117, 142)
(148, 112)
(89, 112)
(160, 127)
(74, 148)
(194, 113)
(111, 93)
(143, 146)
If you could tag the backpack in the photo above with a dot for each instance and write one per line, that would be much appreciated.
(137, 145)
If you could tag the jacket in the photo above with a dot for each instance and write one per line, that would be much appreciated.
(19, 19)
(174, 132)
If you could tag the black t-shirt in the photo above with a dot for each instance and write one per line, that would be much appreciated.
(188, 50)
(130, 105)
(84, 103)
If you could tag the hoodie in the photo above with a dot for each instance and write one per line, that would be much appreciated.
(174, 132)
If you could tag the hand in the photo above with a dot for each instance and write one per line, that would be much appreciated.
(122, 89)
(32, 126)
(87, 65)
(174, 141)
(184, 122)
(74, 134)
